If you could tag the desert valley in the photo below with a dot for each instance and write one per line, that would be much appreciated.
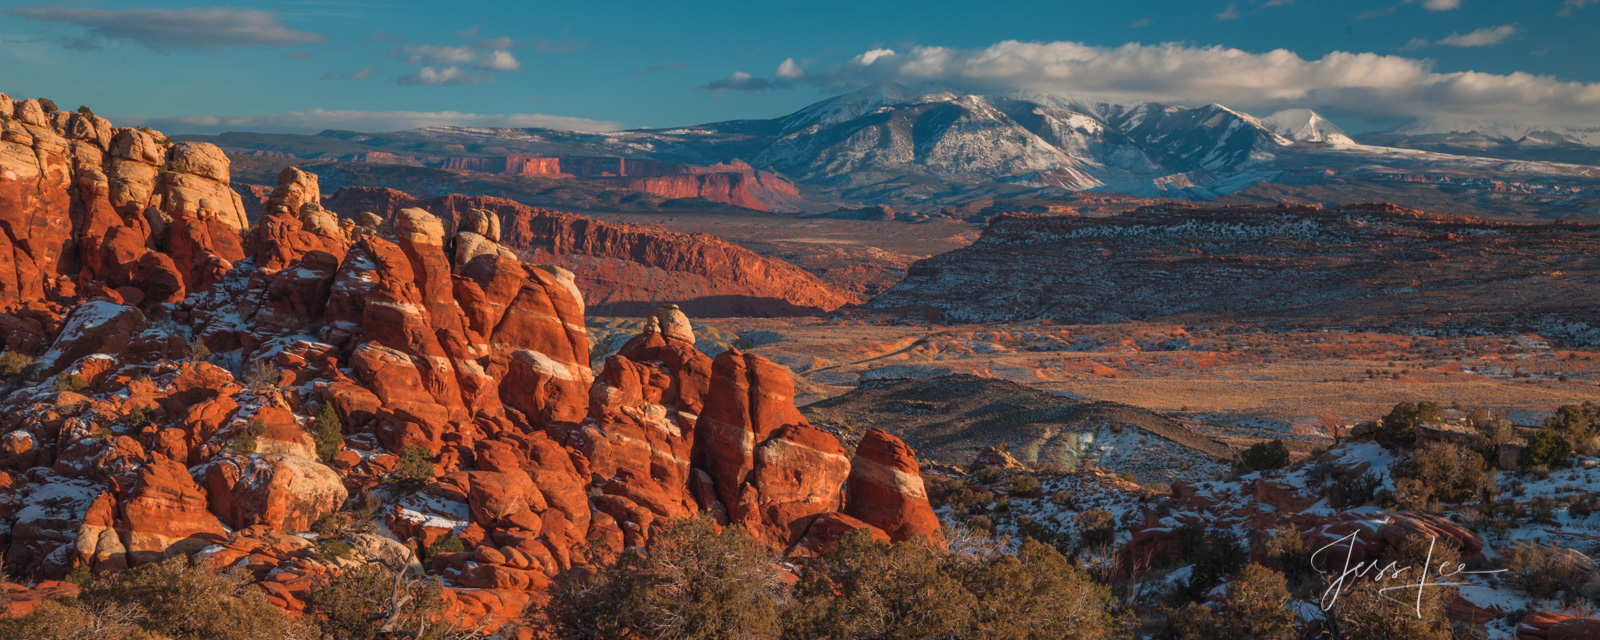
(912, 361)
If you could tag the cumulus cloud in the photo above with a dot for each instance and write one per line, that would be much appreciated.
(1340, 83)
(1230, 13)
(789, 70)
(499, 61)
(164, 29)
(476, 62)
(1480, 38)
(316, 120)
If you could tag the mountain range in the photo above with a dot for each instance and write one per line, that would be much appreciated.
(932, 146)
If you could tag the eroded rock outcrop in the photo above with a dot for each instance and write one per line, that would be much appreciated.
(187, 411)
(621, 269)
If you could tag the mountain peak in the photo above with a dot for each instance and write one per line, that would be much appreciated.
(1305, 125)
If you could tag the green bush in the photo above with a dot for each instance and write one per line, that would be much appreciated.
(334, 550)
(183, 600)
(1265, 456)
(1223, 554)
(415, 466)
(358, 602)
(85, 110)
(1397, 430)
(1577, 424)
(244, 442)
(1547, 448)
(1546, 571)
(1256, 607)
(1353, 492)
(694, 583)
(12, 364)
(327, 431)
(444, 544)
(48, 105)
(1445, 472)
(70, 382)
(1026, 486)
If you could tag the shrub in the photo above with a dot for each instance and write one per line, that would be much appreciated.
(183, 600)
(48, 105)
(85, 110)
(261, 375)
(1398, 429)
(244, 442)
(1026, 486)
(444, 544)
(12, 364)
(1546, 571)
(695, 583)
(1096, 527)
(866, 589)
(415, 466)
(1442, 471)
(1287, 552)
(1353, 492)
(360, 601)
(327, 431)
(334, 550)
(1577, 425)
(1547, 448)
(1265, 456)
(1364, 612)
(1038, 593)
(76, 620)
(1255, 608)
(70, 382)
(1221, 557)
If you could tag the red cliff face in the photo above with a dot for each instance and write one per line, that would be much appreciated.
(627, 269)
(431, 343)
(734, 183)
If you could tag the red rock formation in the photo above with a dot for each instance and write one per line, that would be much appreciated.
(886, 490)
(415, 336)
(626, 269)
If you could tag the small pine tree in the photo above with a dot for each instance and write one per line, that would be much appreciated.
(85, 110)
(415, 466)
(327, 431)
(48, 105)
(70, 382)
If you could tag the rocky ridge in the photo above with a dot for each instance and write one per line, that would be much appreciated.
(171, 364)
(625, 269)
(1360, 266)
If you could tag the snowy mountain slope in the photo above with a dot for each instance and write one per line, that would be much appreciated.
(1305, 125)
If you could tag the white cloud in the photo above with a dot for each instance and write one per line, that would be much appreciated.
(1574, 5)
(1342, 83)
(316, 120)
(1441, 5)
(1230, 13)
(1480, 38)
(445, 75)
(435, 54)
(500, 61)
(162, 29)
(788, 70)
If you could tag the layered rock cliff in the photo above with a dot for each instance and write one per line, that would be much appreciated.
(176, 382)
(628, 269)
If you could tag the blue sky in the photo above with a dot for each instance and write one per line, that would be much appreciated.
(298, 65)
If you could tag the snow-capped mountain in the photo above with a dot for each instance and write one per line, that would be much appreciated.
(1305, 125)
(933, 146)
